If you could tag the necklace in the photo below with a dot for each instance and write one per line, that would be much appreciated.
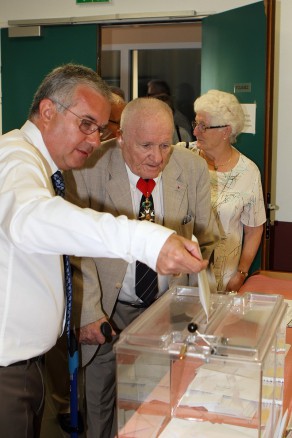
(216, 166)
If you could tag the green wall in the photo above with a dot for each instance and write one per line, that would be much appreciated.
(25, 62)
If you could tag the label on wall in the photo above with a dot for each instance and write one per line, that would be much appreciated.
(93, 1)
(242, 88)
(249, 110)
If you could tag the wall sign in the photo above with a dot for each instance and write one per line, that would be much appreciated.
(93, 1)
(249, 110)
(242, 88)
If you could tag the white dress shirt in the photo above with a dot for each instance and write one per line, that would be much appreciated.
(36, 229)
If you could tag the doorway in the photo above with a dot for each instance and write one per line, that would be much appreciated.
(131, 55)
(154, 51)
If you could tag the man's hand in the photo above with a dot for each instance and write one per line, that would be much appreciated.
(91, 334)
(180, 255)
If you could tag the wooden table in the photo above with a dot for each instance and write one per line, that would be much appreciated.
(263, 281)
(276, 283)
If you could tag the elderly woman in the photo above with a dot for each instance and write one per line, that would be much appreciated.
(236, 189)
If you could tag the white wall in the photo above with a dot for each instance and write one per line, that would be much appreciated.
(35, 9)
(282, 142)
(282, 146)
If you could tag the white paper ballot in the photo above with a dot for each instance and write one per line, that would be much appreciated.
(204, 288)
(178, 428)
(233, 393)
(280, 429)
(289, 313)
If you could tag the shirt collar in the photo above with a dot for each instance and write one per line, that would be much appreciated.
(33, 135)
(133, 178)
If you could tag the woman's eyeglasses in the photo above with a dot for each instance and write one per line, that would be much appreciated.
(203, 128)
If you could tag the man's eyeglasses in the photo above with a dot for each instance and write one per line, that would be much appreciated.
(86, 126)
(114, 122)
(203, 128)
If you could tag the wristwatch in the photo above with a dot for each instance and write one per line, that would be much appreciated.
(244, 274)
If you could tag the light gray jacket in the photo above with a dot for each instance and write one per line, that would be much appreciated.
(103, 185)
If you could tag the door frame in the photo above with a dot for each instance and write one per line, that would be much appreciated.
(270, 8)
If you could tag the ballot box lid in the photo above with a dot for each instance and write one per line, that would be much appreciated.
(239, 326)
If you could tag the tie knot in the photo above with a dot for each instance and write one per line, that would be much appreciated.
(146, 186)
(58, 183)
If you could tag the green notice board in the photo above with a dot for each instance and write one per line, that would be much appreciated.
(25, 62)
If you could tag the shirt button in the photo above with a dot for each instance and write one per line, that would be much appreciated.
(118, 285)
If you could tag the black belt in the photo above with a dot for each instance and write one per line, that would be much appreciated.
(135, 305)
(24, 362)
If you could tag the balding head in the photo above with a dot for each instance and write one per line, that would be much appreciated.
(146, 136)
(145, 110)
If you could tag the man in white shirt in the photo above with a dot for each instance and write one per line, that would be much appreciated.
(58, 378)
(68, 116)
(108, 182)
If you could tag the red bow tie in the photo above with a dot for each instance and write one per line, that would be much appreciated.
(146, 186)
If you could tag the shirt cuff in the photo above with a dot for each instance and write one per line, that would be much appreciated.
(149, 242)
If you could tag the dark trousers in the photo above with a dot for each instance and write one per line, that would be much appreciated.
(100, 381)
(22, 395)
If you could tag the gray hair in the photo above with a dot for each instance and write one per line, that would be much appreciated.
(118, 91)
(224, 109)
(147, 107)
(60, 84)
(117, 99)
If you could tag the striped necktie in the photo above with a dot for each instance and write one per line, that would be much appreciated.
(146, 279)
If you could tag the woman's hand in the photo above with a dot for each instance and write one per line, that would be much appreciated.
(235, 282)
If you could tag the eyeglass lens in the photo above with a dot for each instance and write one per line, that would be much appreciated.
(201, 126)
(86, 126)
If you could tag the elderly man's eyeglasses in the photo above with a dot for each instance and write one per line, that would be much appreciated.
(86, 126)
(203, 128)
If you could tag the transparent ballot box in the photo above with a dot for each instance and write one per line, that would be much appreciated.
(179, 375)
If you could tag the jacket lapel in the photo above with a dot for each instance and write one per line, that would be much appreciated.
(118, 187)
(173, 192)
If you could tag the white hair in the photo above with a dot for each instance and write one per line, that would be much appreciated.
(223, 108)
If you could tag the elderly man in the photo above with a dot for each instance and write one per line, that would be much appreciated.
(67, 119)
(177, 195)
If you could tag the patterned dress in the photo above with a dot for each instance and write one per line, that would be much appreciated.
(237, 200)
